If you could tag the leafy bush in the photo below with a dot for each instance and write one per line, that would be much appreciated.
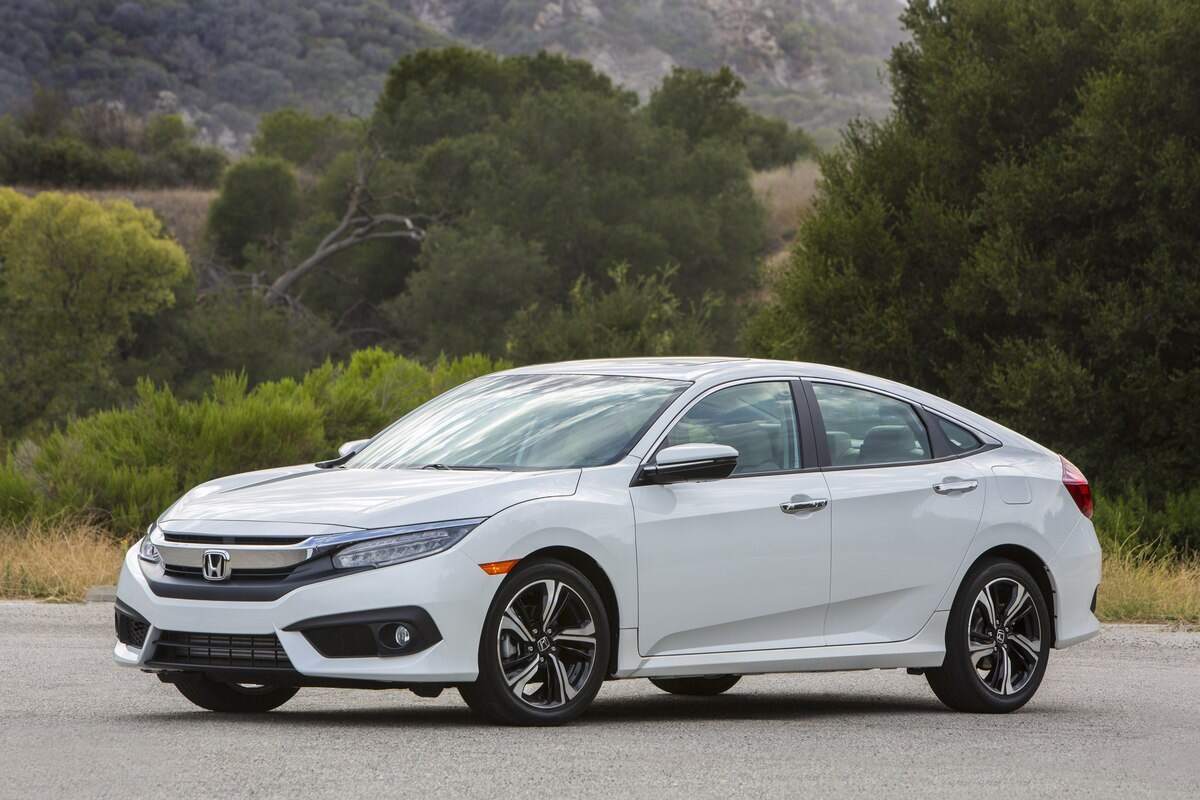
(99, 146)
(637, 316)
(128, 464)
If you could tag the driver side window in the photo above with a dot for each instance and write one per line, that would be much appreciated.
(756, 419)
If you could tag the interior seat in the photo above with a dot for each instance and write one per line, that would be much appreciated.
(884, 444)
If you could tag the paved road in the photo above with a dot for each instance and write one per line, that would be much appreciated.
(1116, 717)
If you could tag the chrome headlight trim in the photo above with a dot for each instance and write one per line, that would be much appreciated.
(146, 550)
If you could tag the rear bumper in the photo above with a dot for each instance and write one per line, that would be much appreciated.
(1076, 577)
(451, 589)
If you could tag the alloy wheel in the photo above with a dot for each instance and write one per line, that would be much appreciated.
(1004, 637)
(547, 644)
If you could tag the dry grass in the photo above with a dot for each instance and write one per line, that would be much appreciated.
(183, 211)
(57, 561)
(1137, 588)
(787, 193)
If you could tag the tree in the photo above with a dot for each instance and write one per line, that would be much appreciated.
(469, 283)
(636, 316)
(699, 104)
(76, 276)
(1021, 235)
(305, 140)
(258, 204)
(705, 106)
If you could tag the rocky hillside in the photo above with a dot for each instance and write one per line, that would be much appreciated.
(815, 63)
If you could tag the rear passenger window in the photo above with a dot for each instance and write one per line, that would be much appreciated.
(863, 427)
(756, 419)
(961, 439)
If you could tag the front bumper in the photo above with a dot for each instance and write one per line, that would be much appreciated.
(452, 589)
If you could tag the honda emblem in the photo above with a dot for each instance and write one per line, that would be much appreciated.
(216, 565)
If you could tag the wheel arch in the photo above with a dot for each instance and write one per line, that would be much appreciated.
(599, 578)
(1036, 567)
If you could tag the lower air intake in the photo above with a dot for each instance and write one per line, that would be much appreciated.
(186, 650)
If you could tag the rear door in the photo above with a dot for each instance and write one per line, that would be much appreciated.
(904, 511)
(740, 563)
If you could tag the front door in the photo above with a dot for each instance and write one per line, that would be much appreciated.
(739, 563)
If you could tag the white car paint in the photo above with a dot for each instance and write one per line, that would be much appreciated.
(706, 576)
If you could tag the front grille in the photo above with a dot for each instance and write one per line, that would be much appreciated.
(131, 630)
(185, 650)
(272, 574)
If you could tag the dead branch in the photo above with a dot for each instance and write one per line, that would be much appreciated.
(361, 222)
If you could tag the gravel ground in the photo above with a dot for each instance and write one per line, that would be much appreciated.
(1116, 717)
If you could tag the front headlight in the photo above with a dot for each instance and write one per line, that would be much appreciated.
(147, 551)
(385, 548)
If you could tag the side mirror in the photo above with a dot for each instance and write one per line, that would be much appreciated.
(350, 448)
(690, 462)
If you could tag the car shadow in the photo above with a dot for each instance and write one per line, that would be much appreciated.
(604, 711)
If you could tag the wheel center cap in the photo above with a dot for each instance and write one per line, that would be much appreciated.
(543, 644)
(1001, 636)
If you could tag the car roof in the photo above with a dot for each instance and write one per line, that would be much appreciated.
(694, 369)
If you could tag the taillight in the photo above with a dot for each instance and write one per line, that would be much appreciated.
(1077, 485)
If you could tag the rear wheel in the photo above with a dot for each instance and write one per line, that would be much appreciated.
(544, 649)
(703, 686)
(233, 698)
(997, 641)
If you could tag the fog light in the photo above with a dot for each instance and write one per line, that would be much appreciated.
(403, 636)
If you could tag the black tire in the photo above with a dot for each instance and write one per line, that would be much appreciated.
(562, 681)
(973, 678)
(233, 698)
(702, 686)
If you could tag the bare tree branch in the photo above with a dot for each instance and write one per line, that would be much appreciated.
(361, 222)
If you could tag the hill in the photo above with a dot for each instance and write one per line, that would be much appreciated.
(815, 63)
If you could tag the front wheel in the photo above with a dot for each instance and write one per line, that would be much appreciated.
(997, 641)
(233, 698)
(544, 649)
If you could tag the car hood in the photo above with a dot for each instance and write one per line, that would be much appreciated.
(362, 498)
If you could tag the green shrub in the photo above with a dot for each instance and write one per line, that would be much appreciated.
(127, 465)
(637, 316)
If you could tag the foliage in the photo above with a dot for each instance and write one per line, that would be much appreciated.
(128, 464)
(1021, 235)
(502, 140)
(305, 140)
(257, 205)
(706, 106)
(469, 282)
(77, 275)
(54, 144)
(637, 316)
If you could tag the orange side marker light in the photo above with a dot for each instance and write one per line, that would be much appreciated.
(499, 567)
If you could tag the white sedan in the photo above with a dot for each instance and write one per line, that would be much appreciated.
(530, 534)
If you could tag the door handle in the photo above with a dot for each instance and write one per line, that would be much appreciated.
(955, 486)
(800, 506)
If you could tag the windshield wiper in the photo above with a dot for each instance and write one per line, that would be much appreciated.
(439, 465)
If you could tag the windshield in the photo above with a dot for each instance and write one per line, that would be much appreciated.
(511, 422)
